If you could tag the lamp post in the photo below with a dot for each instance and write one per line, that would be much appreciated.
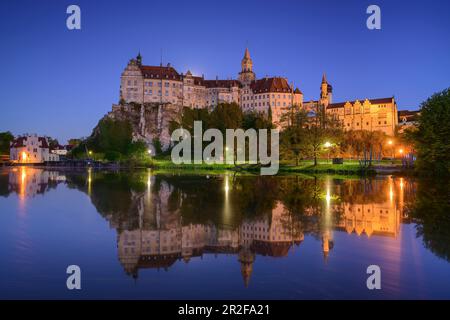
(390, 143)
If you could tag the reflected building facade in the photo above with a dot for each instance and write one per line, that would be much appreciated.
(154, 231)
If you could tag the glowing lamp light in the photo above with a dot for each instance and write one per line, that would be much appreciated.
(327, 144)
(149, 151)
(390, 142)
(401, 151)
(24, 156)
(90, 152)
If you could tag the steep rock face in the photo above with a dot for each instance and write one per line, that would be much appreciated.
(149, 121)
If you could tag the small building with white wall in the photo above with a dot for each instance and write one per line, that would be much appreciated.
(31, 149)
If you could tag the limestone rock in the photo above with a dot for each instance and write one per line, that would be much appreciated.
(149, 121)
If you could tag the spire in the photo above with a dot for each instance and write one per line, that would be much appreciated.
(324, 78)
(246, 54)
(139, 58)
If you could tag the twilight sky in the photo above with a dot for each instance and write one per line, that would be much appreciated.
(60, 82)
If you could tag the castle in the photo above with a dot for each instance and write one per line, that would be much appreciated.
(163, 84)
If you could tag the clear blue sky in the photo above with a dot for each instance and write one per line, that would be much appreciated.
(60, 83)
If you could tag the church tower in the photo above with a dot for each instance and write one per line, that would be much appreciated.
(246, 75)
(246, 258)
(326, 92)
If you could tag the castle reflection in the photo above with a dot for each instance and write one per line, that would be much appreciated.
(162, 220)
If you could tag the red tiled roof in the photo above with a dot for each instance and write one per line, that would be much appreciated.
(372, 101)
(274, 84)
(272, 249)
(160, 72)
(221, 83)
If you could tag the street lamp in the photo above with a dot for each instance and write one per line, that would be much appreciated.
(390, 143)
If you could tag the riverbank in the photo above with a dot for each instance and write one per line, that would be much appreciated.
(349, 167)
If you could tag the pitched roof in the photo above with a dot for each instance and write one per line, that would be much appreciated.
(160, 72)
(274, 84)
(372, 101)
(408, 113)
(221, 83)
(20, 142)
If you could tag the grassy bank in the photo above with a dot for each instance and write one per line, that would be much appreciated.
(348, 168)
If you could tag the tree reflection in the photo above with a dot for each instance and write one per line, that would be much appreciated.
(431, 213)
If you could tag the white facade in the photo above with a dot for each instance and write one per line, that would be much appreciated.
(30, 149)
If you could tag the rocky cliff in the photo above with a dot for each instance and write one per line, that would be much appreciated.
(149, 121)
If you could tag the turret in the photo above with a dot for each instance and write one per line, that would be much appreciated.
(246, 75)
(326, 92)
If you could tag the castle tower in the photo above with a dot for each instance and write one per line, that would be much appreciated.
(246, 75)
(246, 258)
(139, 59)
(326, 92)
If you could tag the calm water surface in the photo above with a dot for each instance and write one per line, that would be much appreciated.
(164, 236)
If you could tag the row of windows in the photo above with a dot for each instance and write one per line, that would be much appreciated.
(263, 104)
(367, 123)
(264, 96)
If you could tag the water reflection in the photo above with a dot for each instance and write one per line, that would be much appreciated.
(162, 220)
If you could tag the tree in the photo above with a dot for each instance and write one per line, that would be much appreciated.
(5, 139)
(74, 142)
(226, 116)
(321, 128)
(292, 138)
(111, 135)
(432, 135)
(256, 120)
(52, 143)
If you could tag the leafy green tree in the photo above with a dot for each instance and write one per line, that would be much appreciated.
(292, 139)
(431, 213)
(226, 116)
(74, 142)
(256, 120)
(5, 139)
(306, 135)
(111, 135)
(432, 135)
(53, 143)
